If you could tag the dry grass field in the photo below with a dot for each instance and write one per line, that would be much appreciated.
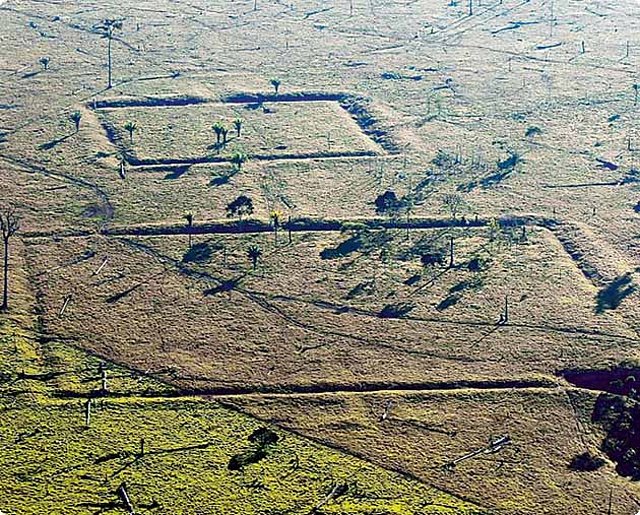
(509, 131)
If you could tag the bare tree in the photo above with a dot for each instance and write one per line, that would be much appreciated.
(9, 224)
(453, 203)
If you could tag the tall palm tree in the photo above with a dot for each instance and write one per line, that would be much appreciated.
(107, 29)
(189, 218)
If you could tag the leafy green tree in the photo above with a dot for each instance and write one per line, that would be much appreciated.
(238, 159)
(224, 133)
(240, 207)
(388, 204)
(75, 118)
(254, 253)
(130, 127)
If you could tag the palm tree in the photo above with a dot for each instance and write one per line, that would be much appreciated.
(237, 123)
(75, 118)
(218, 128)
(9, 225)
(44, 61)
(130, 127)
(254, 253)
(276, 85)
(189, 218)
(107, 28)
(238, 159)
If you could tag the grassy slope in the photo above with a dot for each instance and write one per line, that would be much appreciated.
(51, 463)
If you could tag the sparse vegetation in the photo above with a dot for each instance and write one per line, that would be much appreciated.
(460, 189)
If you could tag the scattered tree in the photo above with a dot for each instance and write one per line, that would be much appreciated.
(238, 158)
(388, 204)
(224, 133)
(636, 87)
(75, 118)
(237, 123)
(218, 128)
(276, 85)
(254, 253)
(276, 220)
(9, 224)
(189, 218)
(240, 207)
(453, 203)
(130, 127)
(107, 29)
(45, 61)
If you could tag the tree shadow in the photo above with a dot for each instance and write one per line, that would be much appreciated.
(31, 74)
(612, 295)
(55, 142)
(176, 172)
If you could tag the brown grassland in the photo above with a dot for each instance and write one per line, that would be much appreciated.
(509, 134)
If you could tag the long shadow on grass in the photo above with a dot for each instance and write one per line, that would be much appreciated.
(55, 142)
(612, 295)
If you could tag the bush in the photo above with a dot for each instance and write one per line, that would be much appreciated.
(586, 462)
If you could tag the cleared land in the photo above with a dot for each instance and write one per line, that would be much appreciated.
(523, 111)
(269, 130)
